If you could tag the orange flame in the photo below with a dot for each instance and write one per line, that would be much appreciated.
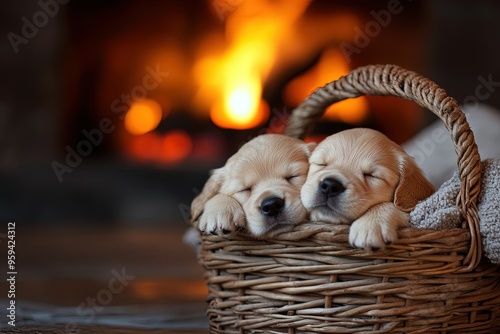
(236, 77)
(331, 66)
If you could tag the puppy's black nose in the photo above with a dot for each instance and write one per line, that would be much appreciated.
(272, 206)
(331, 187)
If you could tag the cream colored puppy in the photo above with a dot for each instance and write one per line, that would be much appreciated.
(361, 177)
(257, 190)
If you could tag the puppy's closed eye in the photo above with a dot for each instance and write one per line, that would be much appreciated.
(296, 179)
(247, 189)
(373, 176)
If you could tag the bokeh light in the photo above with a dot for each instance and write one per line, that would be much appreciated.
(143, 116)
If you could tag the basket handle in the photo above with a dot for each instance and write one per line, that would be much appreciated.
(392, 80)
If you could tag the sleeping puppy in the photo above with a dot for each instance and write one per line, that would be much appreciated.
(361, 177)
(257, 190)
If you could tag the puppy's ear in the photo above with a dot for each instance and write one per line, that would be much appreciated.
(210, 189)
(412, 187)
(310, 148)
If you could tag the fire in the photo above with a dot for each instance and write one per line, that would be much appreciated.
(242, 107)
(242, 102)
(143, 116)
(226, 73)
(331, 66)
(236, 77)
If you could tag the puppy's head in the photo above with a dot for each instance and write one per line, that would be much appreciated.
(356, 169)
(265, 176)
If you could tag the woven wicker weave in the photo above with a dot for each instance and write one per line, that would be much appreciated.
(311, 281)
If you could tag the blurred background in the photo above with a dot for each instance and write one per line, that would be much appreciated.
(112, 114)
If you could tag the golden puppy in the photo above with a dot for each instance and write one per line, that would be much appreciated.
(257, 190)
(361, 177)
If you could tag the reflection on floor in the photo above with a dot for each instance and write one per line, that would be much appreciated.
(81, 279)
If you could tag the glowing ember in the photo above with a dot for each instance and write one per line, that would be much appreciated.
(171, 147)
(145, 147)
(176, 145)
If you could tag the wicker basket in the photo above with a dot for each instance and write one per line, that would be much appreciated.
(311, 281)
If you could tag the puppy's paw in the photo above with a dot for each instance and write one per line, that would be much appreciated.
(370, 235)
(377, 228)
(222, 214)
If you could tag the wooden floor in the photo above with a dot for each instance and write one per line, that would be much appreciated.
(106, 280)
(91, 329)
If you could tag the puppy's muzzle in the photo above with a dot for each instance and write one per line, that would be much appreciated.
(331, 187)
(272, 206)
